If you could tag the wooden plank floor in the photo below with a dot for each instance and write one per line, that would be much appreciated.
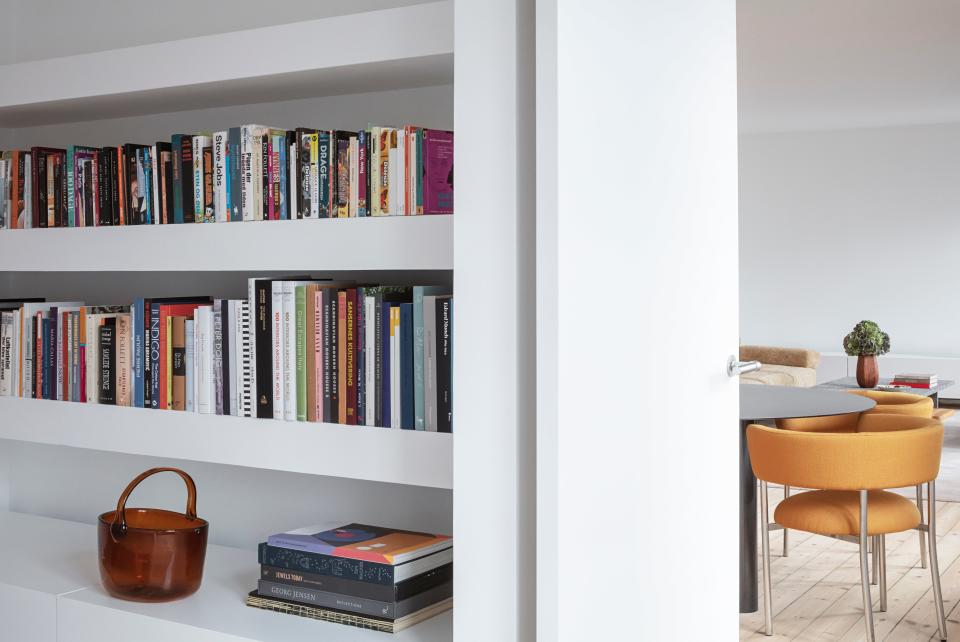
(816, 589)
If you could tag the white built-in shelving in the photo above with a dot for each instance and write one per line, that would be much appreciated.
(376, 244)
(412, 47)
(48, 571)
(413, 457)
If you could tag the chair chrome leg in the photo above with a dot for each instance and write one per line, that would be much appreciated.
(882, 539)
(786, 533)
(865, 568)
(923, 542)
(765, 549)
(934, 564)
(874, 577)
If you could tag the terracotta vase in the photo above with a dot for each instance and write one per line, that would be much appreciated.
(868, 374)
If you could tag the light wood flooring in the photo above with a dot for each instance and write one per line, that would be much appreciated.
(816, 589)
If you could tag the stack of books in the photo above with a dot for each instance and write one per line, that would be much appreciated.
(913, 380)
(365, 576)
(247, 173)
(298, 349)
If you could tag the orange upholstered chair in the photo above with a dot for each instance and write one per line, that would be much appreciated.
(897, 403)
(849, 473)
(869, 421)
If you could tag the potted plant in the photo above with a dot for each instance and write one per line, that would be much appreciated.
(865, 342)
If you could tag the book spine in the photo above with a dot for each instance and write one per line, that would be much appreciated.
(122, 362)
(359, 351)
(444, 357)
(430, 363)
(107, 362)
(328, 600)
(197, 152)
(395, 369)
(187, 179)
(234, 174)
(317, 338)
(277, 350)
(301, 378)
(362, 172)
(71, 178)
(246, 173)
(326, 332)
(386, 400)
(176, 166)
(278, 173)
(263, 345)
(203, 322)
(320, 168)
(326, 565)
(370, 357)
(189, 365)
(156, 355)
(350, 360)
(288, 346)
(178, 357)
(221, 177)
(219, 357)
(136, 318)
(406, 367)
(342, 356)
(334, 348)
(156, 183)
(438, 172)
(335, 584)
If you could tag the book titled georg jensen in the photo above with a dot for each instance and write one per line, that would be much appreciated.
(363, 542)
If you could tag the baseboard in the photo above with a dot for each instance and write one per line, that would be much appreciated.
(834, 365)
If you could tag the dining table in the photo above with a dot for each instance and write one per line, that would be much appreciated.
(761, 404)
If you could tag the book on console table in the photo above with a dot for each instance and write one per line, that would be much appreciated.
(363, 542)
(915, 380)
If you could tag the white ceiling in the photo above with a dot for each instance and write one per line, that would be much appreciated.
(825, 64)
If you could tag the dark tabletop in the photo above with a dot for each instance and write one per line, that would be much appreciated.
(758, 402)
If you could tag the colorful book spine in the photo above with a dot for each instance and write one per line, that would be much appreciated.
(300, 296)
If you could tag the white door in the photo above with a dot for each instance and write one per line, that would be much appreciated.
(637, 426)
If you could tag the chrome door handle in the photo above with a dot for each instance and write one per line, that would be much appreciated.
(735, 367)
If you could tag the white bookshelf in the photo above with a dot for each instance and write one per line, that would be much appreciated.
(313, 73)
(413, 457)
(49, 573)
(376, 244)
(413, 47)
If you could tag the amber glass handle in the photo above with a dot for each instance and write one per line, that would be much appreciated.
(121, 515)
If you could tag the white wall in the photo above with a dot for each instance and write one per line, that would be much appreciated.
(843, 225)
(53, 28)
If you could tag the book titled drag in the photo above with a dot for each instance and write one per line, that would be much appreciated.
(363, 542)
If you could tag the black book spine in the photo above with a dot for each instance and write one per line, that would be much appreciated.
(325, 338)
(186, 177)
(264, 346)
(444, 355)
(358, 570)
(383, 592)
(108, 356)
(115, 185)
(50, 357)
(167, 207)
(88, 213)
(104, 195)
(266, 179)
(39, 170)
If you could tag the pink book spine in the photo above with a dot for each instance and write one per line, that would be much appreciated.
(318, 353)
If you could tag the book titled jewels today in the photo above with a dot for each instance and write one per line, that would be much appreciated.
(363, 542)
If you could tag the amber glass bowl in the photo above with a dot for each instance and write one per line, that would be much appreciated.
(150, 554)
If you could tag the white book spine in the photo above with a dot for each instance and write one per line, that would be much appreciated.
(401, 191)
(276, 332)
(93, 348)
(26, 352)
(354, 176)
(190, 365)
(220, 177)
(288, 321)
(6, 356)
(430, 363)
(68, 358)
(370, 357)
(250, 386)
(229, 331)
(203, 324)
(292, 209)
(27, 192)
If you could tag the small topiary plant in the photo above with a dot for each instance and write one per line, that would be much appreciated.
(866, 340)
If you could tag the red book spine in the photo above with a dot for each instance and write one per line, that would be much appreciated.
(35, 156)
(38, 358)
(911, 384)
(121, 185)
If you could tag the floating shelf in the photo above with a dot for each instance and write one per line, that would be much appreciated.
(380, 243)
(413, 48)
(411, 457)
(50, 583)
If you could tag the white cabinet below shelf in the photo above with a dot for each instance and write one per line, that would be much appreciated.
(50, 592)
(412, 457)
(380, 243)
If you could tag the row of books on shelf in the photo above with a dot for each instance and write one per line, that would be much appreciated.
(248, 173)
(298, 349)
(366, 576)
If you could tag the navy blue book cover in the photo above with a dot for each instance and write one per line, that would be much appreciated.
(49, 357)
(385, 367)
(406, 366)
